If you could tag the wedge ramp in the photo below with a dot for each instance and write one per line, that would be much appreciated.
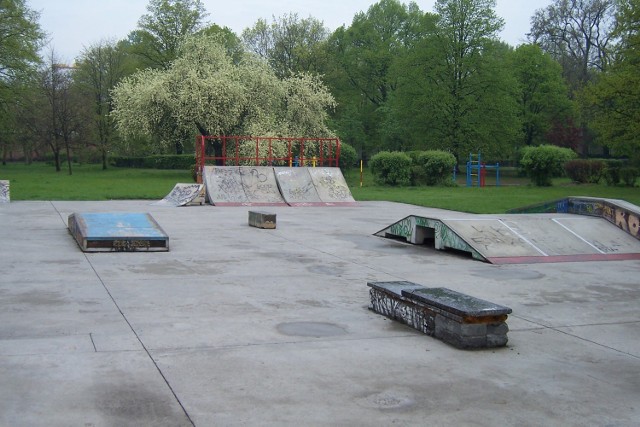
(182, 195)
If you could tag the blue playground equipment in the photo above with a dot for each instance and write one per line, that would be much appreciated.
(477, 171)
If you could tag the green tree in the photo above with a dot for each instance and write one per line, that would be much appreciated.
(163, 28)
(228, 38)
(20, 39)
(290, 44)
(362, 74)
(100, 67)
(204, 91)
(457, 93)
(467, 35)
(613, 100)
(578, 34)
(543, 96)
(61, 112)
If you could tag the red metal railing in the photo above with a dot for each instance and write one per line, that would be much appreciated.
(246, 150)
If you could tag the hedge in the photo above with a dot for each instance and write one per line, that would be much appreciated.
(169, 161)
(433, 167)
(629, 175)
(391, 168)
(348, 156)
(585, 171)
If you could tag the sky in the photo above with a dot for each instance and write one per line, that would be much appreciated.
(73, 25)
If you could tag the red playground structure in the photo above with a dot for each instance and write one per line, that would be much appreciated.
(225, 150)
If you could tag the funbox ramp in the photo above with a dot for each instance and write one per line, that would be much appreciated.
(242, 185)
(182, 195)
(269, 186)
(514, 239)
(117, 232)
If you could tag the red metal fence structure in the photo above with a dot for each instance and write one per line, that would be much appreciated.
(225, 150)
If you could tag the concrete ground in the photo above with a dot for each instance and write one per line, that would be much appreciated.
(243, 326)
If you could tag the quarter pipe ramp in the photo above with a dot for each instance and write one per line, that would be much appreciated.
(272, 186)
(242, 185)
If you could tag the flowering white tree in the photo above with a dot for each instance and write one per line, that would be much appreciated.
(204, 91)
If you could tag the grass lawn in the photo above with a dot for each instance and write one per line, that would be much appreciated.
(40, 181)
(513, 192)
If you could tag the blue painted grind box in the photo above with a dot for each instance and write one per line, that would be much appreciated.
(117, 232)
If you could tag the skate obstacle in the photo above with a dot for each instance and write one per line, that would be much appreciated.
(458, 319)
(276, 186)
(117, 232)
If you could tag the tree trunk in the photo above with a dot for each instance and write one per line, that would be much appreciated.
(56, 160)
(68, 158)
(217, 145)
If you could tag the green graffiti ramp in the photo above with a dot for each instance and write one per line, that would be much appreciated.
(513, 239)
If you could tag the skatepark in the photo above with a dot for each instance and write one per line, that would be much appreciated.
(237, 325)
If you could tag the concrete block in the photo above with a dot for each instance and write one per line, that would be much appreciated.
(262, 219)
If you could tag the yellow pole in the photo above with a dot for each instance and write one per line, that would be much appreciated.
(313, 162)
(360, 173)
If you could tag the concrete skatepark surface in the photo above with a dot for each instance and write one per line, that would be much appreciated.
(243, 326)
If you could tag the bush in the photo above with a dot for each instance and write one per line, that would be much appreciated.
(171, 161)
(391, 168)
(585, 171)
(433, 167)
(545, 162)
(612, 172)
(348, 156)
(629, 175)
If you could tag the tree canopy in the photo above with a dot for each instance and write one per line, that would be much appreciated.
(542, 93)
(577, 33)
(613, 100)
(162, 29)
(205, 91)
(20, 39)
(289, 44)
